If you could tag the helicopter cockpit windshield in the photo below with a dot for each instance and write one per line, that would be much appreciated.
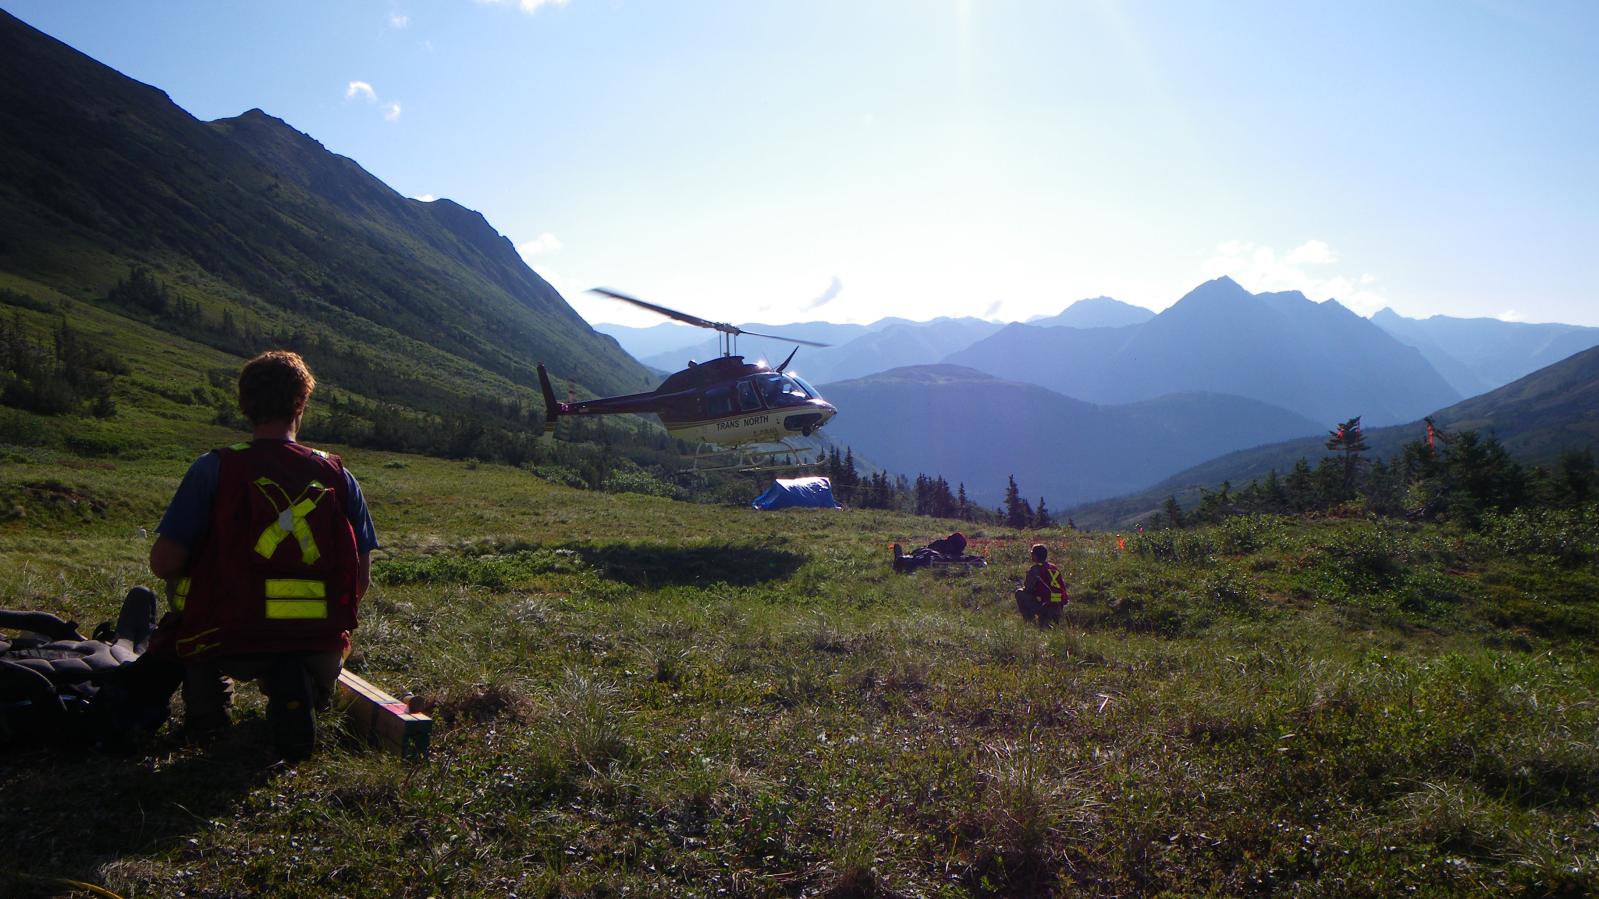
(814, 393)
(782, 390)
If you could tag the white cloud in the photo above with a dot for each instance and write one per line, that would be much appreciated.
(1312, 251)
(527, 6)
(1262, 269)
(391, 112)
(399, 20)
(1510, 315)
(426, 198)
(362, 90)
(544, 243)
(826, 296)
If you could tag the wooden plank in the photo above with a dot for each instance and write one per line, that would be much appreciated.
(381, 720)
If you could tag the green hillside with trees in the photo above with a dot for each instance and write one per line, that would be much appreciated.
(121, 215)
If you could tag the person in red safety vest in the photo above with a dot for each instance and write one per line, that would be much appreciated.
(266, 548)
(1043, 594)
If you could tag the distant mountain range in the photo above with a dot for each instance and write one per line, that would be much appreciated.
(1099, 312)
(973, 427)
(669, 344)
(856, 349)
(1317, 359)
(1536, 418)
(419, 303)
(1477, 355)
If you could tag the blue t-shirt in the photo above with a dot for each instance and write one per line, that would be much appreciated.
(188, 516)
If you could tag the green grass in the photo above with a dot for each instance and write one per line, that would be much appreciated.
(641, 697)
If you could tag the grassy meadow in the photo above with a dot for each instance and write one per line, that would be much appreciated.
(641, 697)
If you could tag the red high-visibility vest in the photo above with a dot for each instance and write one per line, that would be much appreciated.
(1052, 582)
(277, 570)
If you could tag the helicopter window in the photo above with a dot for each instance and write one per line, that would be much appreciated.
(749, 399)
(806, 385)
(782, 391)
(719, 402)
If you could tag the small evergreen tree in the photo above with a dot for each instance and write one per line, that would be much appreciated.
(1350, 440)
(1174, 512)
(1015, 512)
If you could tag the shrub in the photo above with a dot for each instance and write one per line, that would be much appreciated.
(1568, 536)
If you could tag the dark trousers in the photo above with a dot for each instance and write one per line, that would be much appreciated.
(1047, 614)
(208, 684)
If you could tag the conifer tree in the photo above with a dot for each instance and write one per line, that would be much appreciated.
(1174, 512)
(1015, 512)
(1348, 439)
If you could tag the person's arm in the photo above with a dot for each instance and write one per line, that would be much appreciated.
(187, 519)
(168, 558)
(1035, 581)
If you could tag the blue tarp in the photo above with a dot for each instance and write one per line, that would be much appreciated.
(804, 493)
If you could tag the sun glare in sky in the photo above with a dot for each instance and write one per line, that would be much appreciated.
(843, 160)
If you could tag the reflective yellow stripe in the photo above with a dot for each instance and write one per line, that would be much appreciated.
(180, 596)
(239, 446)
(296, 598)
(291, 520)
(295, 588)
(296, 608)
(188, 646)
(1057, 586)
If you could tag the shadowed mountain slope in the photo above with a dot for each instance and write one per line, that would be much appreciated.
(421, 303)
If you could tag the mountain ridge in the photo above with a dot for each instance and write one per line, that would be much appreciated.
(1318, 359)
(100, 174)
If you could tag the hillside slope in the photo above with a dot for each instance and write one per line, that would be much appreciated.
(420, 303)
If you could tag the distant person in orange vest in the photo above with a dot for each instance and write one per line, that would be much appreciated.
(267, 549)
(1043, 594)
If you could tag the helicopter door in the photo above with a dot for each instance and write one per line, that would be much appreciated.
(749, 399)
(719, 402)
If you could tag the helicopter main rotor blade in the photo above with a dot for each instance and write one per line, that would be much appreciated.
(785, 339)
(695, 320)
(683, 317)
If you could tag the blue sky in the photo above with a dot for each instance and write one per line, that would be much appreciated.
(942, 157)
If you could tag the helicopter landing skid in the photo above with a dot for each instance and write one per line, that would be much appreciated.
(753, 460)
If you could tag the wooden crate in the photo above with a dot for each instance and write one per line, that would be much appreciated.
(381, 720)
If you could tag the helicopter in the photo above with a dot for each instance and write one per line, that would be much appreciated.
(746, 409)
